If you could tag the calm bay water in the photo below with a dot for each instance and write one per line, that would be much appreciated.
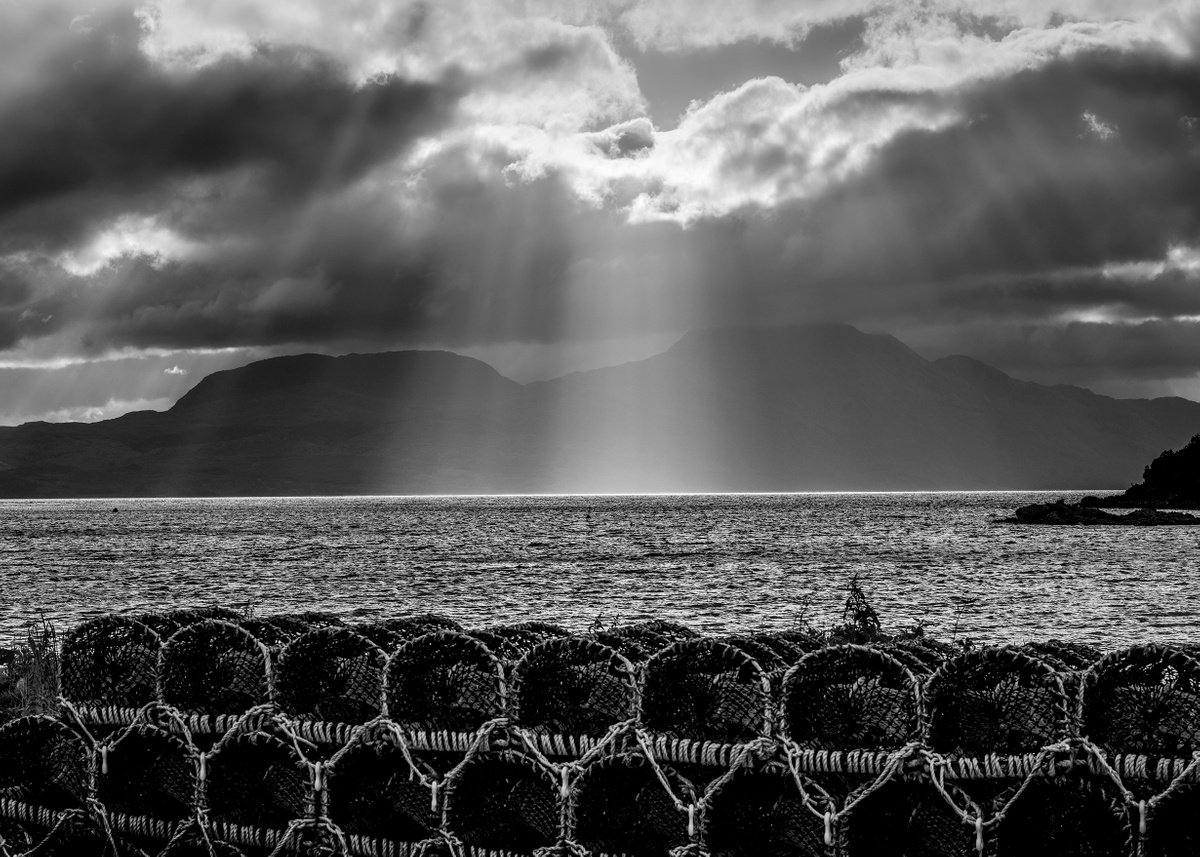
(717, 563)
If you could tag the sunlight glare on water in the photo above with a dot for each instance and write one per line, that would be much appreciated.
(717, 563)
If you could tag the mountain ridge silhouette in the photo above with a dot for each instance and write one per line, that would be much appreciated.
(804, 408)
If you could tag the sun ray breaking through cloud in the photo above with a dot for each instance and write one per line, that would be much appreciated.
(237, 178)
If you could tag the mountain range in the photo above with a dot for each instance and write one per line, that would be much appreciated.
(788, 409)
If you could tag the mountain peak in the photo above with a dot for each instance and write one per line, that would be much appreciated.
(809, 407)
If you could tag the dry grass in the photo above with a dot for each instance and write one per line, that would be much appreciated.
(29, 677)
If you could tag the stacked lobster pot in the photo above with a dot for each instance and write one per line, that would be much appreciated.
(200, 732)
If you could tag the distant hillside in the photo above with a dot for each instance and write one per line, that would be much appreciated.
(802, 408)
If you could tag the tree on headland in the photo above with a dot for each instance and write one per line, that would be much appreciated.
(1170, 481)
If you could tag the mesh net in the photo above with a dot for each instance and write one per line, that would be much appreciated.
(372, 792)
(110, 661)
(191, 843)
(444, 680)
(44, 762)
(847, 697)
(505, 649)
(763, 654)
(906, 818)
(503, 800)
(995, 701)
(704, 689)
(760, 813)
(15, 838)
(918, 663)
(1066, 817)
(573, 686)
(271, 634)
(641, 641)
(159, 623)
(621, 807)
(378, 633)
(331, 674)
(789, 651)
(77, 835)
(1174, 829)
(148, 771)
(1144, 700)
(256, 779)
(214, 667)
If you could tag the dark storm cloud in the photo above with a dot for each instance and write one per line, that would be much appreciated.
(349, 270)
(1026, 184)
(1126, 294)
(102, 130)
(1082, 352)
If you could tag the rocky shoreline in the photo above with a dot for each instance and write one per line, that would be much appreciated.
(1171, 481)
(1082, 513)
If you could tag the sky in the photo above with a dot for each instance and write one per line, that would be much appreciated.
(190, 185)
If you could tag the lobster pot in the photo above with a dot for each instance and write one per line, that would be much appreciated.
(110, 661)
(257, 779)
(995, 701)
(1065, 817)
(43, 762)
(411, 627)
(1143, 700)
(331, 674)
(705, 690)
(1173, 829)
(620, 806)
(760, 812)
(149, 771)
(850, 697)
(503, 800)
(371, 791)
(572, 686)
(909, 818)
(214, 667)
(641, 641)
(444, 680)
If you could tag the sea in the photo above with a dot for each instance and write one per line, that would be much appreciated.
(719, 563)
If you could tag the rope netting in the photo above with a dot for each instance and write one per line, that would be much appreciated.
(202, 733)
(331, 674)
(574, 687)
(214, 666)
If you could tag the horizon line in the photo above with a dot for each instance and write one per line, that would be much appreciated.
(561, 494)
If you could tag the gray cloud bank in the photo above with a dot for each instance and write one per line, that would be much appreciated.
(1040, 186)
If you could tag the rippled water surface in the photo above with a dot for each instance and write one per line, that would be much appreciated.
(715, 562)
